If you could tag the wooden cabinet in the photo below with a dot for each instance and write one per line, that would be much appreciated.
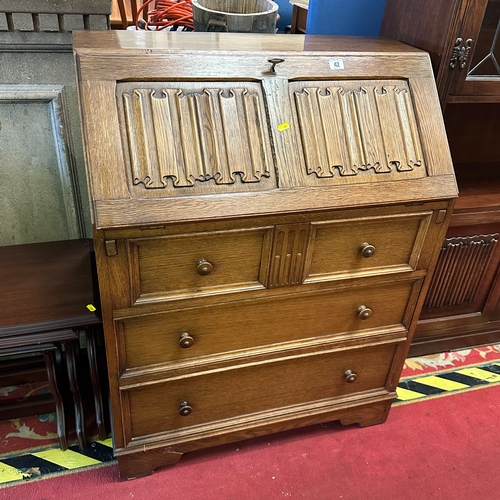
(268, 211)
(462, 37)
(476, 52)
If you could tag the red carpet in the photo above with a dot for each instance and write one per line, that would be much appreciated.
(444, 448)
(449, 360)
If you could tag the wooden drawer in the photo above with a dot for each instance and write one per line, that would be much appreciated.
(249, 390)
(337, 247)
(198, 263)
(216, 329)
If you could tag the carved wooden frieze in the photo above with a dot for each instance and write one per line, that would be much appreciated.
(288, 255)
(351, 130)
(183, 136)
(460, 268)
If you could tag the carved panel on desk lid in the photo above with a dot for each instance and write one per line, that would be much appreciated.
(354, 132)
(184, 138)
(460, 269)
(288, 255)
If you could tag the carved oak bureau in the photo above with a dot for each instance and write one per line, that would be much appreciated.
(268, 210)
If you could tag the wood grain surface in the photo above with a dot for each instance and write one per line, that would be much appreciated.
(265, 230)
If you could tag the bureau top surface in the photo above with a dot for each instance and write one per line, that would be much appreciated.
(196, 126)
(164, 41)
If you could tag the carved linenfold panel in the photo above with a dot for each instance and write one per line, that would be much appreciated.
(459, 270)
(368, 129)
(288, 255)
(180, 137)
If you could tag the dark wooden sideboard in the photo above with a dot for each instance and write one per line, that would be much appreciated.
(463, 39)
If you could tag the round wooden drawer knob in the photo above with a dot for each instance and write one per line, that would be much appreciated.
(186, 341)
(364, 312)
(367, 250)
(204, 267)
(350, 376)
(185, 409)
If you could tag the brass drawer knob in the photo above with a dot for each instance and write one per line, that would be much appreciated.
(185, 409)
(186, 341)
(350, 376)
(364, 312)
(367, 250)
(204, 267)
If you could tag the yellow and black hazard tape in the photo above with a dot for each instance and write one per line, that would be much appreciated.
(52, 461)
(412, 389)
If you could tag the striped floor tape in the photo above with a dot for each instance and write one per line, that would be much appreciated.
(36, 464)
(443, 383)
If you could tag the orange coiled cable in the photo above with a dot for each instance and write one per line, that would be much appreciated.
(168, 13)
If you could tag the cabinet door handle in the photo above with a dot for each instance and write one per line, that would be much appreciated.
(350, 376)
(460, 53)
(364, 312)
(367, 250)
(185, 409)
(186, 341)
(204, 267)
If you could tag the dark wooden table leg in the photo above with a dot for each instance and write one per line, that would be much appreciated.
(94, 377)
(54, 389)
(75, 391)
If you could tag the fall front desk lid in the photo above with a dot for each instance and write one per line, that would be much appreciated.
(211, 129)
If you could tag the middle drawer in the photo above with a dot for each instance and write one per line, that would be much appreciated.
(186, 333)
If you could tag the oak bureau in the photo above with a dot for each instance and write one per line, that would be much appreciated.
(268, 210)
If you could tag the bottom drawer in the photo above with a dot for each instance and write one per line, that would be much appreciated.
(204, 399)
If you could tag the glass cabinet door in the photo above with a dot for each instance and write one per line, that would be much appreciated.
(475, 62)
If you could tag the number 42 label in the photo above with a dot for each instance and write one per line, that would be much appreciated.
(336, 63)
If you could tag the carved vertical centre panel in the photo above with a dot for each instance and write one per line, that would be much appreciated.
(459, 270)
(180, 137)
(288, 255)
(349, 131)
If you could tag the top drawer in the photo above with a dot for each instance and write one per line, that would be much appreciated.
(368, 245)
(221, 261)
(198, 263)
